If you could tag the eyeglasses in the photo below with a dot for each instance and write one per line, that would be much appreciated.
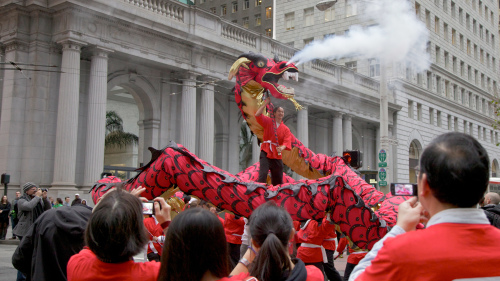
(417, 171)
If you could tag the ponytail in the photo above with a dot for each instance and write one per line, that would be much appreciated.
(270, 229)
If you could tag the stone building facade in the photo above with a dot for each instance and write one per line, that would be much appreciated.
(172, 60)
(453, 95)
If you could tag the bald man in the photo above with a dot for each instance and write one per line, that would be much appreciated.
(491, 208)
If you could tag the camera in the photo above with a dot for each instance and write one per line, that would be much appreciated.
(148, 208)
(404, 189)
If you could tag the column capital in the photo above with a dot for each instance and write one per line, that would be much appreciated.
(347, 117)
(72, 44)
(338, 114)
(189, 76)
(98, 51)
(13, 45)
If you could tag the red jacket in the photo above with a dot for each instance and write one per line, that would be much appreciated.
(313, 234)
(85, 266)
(154, 229)
(233, 228)
(284, 136)
(330, 241)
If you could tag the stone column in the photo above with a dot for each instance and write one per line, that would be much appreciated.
(255, 151)
(233, 155)
(12, 118)
(67, 116)
(188, 112)
(337, 134)
(207, 126)
(165, 101)
(150, 134)
(96, 120)
(347, 131)
(303, 126)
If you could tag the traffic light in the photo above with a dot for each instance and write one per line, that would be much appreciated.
(354, 158)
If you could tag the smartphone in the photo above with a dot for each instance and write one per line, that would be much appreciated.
(404, 189)
(148, 208)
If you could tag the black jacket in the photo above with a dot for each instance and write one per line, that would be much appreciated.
(493, 214)
(49, 243)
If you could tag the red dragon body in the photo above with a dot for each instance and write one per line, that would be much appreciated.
(332, 185)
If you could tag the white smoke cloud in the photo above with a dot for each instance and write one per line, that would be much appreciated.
(398, 36)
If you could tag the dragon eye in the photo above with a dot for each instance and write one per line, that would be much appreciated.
(260, 64)
(282, 65)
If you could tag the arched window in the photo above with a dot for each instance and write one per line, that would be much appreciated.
(494, 169)
(414, 156)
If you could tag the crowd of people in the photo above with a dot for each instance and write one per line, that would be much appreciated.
(77, 243)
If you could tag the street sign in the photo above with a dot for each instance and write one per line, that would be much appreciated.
(382, 174)
(382, 183)
(382, 155)
(382, 164)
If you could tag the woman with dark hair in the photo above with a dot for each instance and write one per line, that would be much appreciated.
(115, 233)
(268, 259)
(195, 249)
(4, 216)
(59, 203)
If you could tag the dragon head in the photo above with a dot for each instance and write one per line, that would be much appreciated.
(266, 72)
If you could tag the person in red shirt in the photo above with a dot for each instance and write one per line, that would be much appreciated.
(271, 230)
(195, 249)
(115, 233)
(233, 228)
(329, 243)
(311, 235)
(274, 142)
(458, 242)
(156, 238)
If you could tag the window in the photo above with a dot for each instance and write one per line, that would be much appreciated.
(492, 40)
(408, 71)
(453, 15)
(246, 4)
(436, 25)
(481, 31)
(269, 13)
(429, 80)
(454, 64)
(446, 59)
(352, 8)
(431, 116)
(480, 8)
(447, 89)
(258, 20)
(456, 124)
(223, 10)
(438, 55)
(471, 128)
(329, 14)
(308, 41)
(213, 10)
(468, 47)
(487, 36)
(449, 122)
(462, 96)
(460, 16)
(476, 77)
(436, 2)
(308, 16)
(374, 67)
(474, 26)
(467, 21)
(465, 127)
(445, 30)
(419, 112)
(438, 85)
(258, 3)
(474, 5)
(246, 22)
(475, 51)
(469, 72)
(269, 32)
(353, 65)
(453, 36)
(428, 19)
(482, 56)
(417, 10)
(455, 92)
(235, 7)
(461, 42)
(445, 6)
(290, 21)
(462, 68)
(410, 109)
(439, 123)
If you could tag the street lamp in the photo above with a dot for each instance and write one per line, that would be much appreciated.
(325, 4)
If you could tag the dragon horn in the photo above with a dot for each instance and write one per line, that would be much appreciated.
(236, 65)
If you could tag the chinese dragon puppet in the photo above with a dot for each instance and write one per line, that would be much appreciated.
(330, 185)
